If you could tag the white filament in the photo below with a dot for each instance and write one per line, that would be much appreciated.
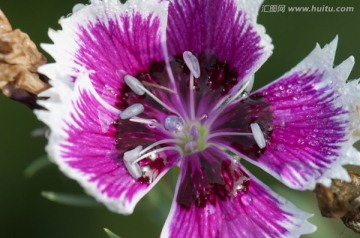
(137, 85)
(218, 134)
(258, 135)
(154, 152)
(156, 144)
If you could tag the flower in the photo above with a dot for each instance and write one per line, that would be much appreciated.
(141, 87)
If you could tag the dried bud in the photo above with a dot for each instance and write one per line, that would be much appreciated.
(341, 200)
(19, 60)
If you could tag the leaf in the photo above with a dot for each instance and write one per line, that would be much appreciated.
(37, 165)
(70, 199)
(111, 234)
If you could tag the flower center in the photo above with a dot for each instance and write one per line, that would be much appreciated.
(175, 114)
(191, 137)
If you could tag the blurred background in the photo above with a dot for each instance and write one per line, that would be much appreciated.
(25, 213)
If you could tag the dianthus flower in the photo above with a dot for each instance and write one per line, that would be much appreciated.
(141, 87)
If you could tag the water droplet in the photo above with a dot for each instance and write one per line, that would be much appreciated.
(301, 141)
(304, 108)
(281, 87)
(153, 124)
(174, 123)
(246, 200)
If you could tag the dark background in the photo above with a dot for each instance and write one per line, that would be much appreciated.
(24, 213)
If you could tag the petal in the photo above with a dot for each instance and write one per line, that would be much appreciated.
(216, 198)
(307, 117)
(111, 40)
(224, 29)
(88, 144)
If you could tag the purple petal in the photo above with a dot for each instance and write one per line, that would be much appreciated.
(307, 118)
(225, 30)
(216, 198)
(110, 40)
(88, 142)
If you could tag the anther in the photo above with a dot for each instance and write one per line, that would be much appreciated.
(133, 154)
(132, 111)
(134, 84)
(133, 169)
(258, 135)
(192, 63)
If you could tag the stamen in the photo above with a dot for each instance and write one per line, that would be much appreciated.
(135, 84)
(156, 144)
(132, 111)
(220, 107)
(192, 99)
(258, 135)
(159, 86)
(218, 134)
(133, 169)
(133, 154)
(150, 122)
(152, 153)
(192, 63)
(242, 89)
(174, 123)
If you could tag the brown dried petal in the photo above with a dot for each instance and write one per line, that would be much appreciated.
(335, 201)
(341, 200)
(4, 23)
(19, 60)
(21, 78)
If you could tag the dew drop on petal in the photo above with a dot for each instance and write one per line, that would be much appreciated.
(78, 7)
(153, 124)
(246, 200)
(174, 123)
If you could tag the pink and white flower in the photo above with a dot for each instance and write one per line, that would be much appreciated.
(141, 87)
